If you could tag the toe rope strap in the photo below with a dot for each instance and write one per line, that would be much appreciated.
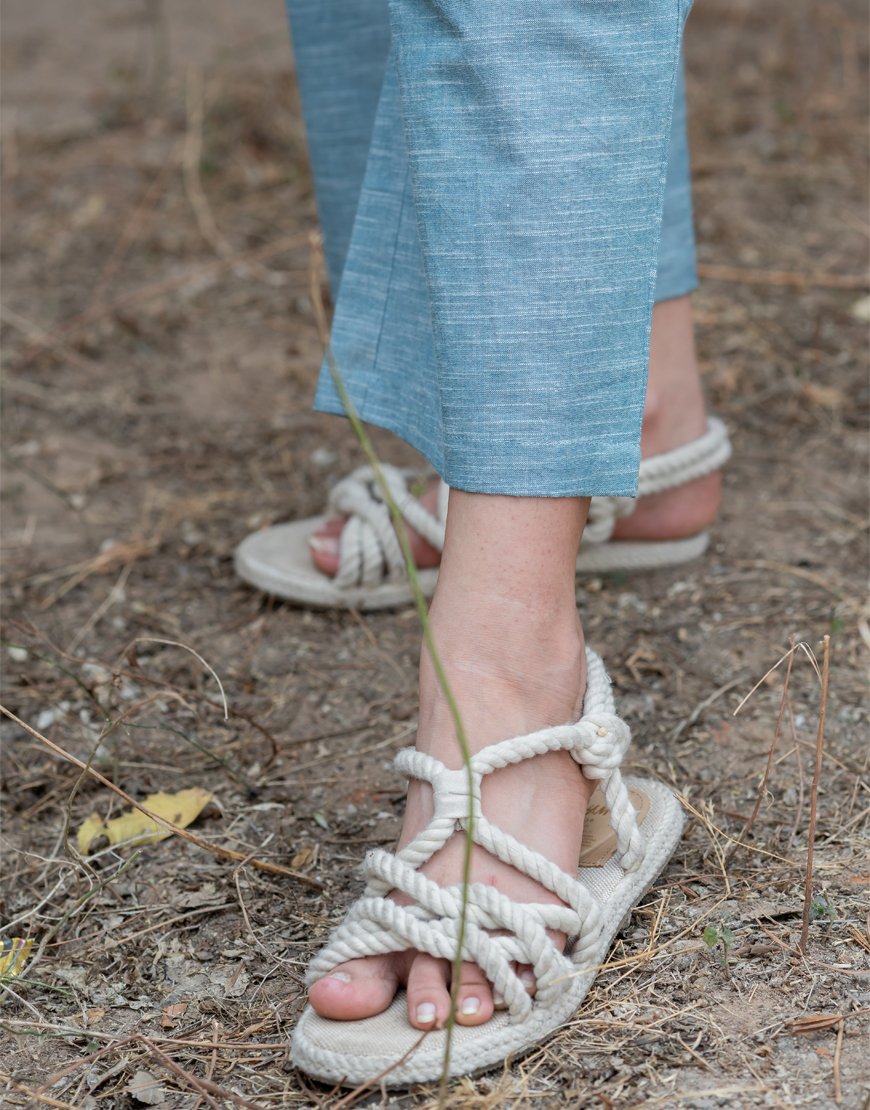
(369, 551)
(499, 933)
(659, 473)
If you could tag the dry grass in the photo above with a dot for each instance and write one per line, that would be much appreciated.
(161, 347)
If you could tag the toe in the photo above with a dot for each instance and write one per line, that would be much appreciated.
(428, 1000)
(474, 998)
(325, 546)
(527, 978)
(357, 989)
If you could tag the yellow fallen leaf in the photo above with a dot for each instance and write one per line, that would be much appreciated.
(89, 831)
(13, 955)
(134, 826)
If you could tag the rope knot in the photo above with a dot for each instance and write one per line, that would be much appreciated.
(602, 742)
(453, 799)
(603, 515)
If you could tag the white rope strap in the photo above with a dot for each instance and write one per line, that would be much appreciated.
(499, 933)
(369, 550)
(659, 473)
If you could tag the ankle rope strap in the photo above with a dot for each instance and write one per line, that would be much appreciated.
(377, 925)
(659, 473)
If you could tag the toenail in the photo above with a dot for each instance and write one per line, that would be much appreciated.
(602, 732)
(341, 976)
(498, 998)
(425, 1013)
(326, 545)
(527, 978)
(470, 1005)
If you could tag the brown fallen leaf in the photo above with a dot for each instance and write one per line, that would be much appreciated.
(136, 827)
(827, 396)
(304, 856)
(171, 1014)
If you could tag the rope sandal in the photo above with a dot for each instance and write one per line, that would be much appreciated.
(598, 554)
(632, 828)
(371, 571)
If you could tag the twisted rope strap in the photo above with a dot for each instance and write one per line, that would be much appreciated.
(369, 551)
(659, 473)
(375, 925)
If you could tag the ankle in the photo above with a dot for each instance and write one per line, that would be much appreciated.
(674, 410)
(672, 418)
(528, 673)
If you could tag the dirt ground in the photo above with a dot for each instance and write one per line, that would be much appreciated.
(160, 355)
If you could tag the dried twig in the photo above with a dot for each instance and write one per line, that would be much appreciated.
(814, 791)
(687, 722)
(762, 786)
(122, 554)
(813, 1023)
(46, 1100)
(788, 278)
(208, 666)
(202, 212)
(203, 1087)
(45, 340)
(131, 230)
(795, 647)
(116, 593)
(838, 1090)
(185, 834)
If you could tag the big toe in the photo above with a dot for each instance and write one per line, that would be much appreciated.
(357, 989)
(325, 546)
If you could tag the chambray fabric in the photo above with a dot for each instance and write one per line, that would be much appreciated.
(490, 178)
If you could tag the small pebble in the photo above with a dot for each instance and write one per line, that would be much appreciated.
(323, 456)
(45, 720)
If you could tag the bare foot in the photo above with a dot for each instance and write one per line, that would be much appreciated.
(510, 673)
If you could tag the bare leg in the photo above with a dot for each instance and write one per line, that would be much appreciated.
(674, 415)
(506, 625)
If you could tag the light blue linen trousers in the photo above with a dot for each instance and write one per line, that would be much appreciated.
(503, 188)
